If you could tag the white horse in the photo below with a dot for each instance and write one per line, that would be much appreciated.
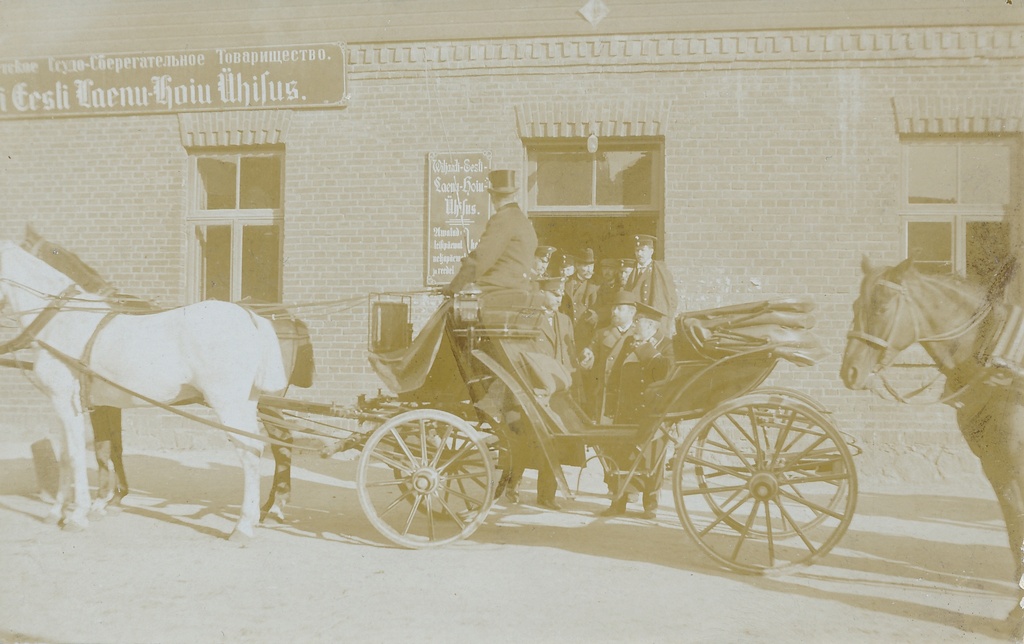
(212, 352)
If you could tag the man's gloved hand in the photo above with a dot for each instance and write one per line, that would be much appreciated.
(447, 291)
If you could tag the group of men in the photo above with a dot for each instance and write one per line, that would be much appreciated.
(610, 333)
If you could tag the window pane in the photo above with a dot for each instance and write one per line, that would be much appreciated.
(216, 184)
(988, 243)
(985, 174)
(260, 182)
(930, 244)
(624, 178)
(564, 179)
(931, 174)
(215, 245)
(261, 263)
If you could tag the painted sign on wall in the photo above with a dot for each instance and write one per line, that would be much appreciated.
(458, 205)
(305, 76)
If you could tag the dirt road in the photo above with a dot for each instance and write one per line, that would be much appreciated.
(915, 566)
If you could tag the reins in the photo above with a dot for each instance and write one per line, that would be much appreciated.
(889, 355)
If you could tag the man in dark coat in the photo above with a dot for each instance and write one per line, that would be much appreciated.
(603, 356)
(652, 282)
(556, 341)
(500, 264)
(580, 289)
(647, 359)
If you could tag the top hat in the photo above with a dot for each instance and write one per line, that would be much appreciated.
(545, 252)
(645, 240)
(648, 311)
(551, 283)
(503, 182)
(624, 297)
(586, 258)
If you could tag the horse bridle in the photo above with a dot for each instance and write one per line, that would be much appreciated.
(889, 355)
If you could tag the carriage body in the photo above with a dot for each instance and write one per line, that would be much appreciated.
(763, 479)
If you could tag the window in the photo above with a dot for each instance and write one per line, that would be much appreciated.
(956, 192)
(578, 199)
(236, 224)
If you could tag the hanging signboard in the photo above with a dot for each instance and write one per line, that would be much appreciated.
(458, 205)
(301, 76)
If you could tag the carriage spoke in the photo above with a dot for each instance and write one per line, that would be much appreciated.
(466, 447)
(724, 469)
(732, 447)
(430, 518)
(405, 448)
(396, 502)
(725, 514)
(771, 533)
(810, 504)
(835, 478)
(423, 439)
(451, 513)
(465, 497)
(796, 527)
(412, 514)
(746, 530)
(387, 483)
(724, 488)
(387, 460)
(440, 450)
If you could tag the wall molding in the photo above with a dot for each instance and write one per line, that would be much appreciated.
(604, 118)
(959, 115)
(254, 127)
(931, 43)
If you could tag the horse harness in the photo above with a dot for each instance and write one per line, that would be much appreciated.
(889, 355)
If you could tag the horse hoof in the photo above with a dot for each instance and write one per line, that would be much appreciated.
(240, 538)
(96, 514)
(113, 510)
(74, 525)
(52, 519)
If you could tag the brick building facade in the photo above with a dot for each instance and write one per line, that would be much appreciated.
(779, 146)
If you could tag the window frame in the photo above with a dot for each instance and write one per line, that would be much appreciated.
(654, 145)
(237, 218)
(958, 215)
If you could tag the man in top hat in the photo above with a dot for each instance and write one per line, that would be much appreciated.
(652, 281)
(501, 262)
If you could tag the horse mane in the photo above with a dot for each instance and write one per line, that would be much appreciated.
(66, 262)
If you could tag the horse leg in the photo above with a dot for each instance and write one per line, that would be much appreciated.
(74, 452)
(281, 488)
(103, 428)
(243, 416)
(60, 495)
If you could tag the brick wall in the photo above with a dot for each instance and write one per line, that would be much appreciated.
(779, 173)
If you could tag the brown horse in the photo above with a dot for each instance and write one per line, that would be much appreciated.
(958, 323)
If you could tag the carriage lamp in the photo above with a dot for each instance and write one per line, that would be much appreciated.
(467, 305)
(592, 143)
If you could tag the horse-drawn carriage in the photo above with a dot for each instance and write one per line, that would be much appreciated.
(762, 479)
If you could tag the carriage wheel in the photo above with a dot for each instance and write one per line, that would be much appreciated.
(425, 479)
(764, 482)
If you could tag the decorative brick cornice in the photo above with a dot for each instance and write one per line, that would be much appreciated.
(959, 115)
(603, 118)
(968, 42)
(255, 127)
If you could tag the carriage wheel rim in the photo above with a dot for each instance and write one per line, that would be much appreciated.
(772, 488)
(450, 488)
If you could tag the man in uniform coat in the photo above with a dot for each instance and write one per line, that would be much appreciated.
(501, 262)
(580, 289)
(652, 282)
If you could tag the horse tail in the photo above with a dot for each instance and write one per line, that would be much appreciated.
(270, 376)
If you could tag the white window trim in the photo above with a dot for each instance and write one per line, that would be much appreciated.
(236, 218)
